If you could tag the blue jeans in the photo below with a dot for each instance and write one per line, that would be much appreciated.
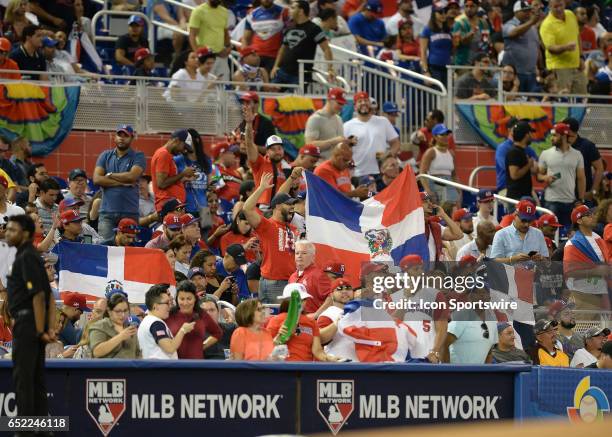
(108, 221)
(270, 290)
(528, 83)
(285, 78)
(563, 211)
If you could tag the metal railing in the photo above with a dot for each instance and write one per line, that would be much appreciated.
(474, 173)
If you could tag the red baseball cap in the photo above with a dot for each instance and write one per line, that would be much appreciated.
(424, 196)
(172, 221)
(69, 203)
(142, 53)
(4, 182)
(204, 51)
(70, 216)
(549, 220)
(609, 50)
(188, 219)
(127, 226)
(310, 150)
(76, 300)
(220, 148)
(372, 267)
(526, 210)
(461, 214)
(561, 128)
(250, 96)
(361, 95)
(337, 94)
(334, 267)
(467, 260)
(246, 51)
(411, 260)
(506, 220)
(339, 282)
(579, 212)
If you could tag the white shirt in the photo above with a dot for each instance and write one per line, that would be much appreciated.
(478, 217)
(11, 210)
(431, 244)
(392, 24)
(7, 256)
(149, 347)
(189, 88)
(584, 357)
(372, 136)
(471, 249)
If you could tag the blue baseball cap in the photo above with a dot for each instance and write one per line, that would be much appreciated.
(49, 42)
(301, 195)
(602, 77)
(136, 19)
(440, 129)
(390, 108)
(185, 137)
(126, 128)
(373, 6)
(485, 195)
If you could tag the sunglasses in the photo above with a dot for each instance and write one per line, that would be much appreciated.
(485, 329)
(343, 287)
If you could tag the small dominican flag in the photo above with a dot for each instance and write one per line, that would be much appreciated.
(385, 227)
(87, 268)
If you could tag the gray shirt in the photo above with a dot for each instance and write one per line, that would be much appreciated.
(468, 86)
(322, 126)
(566, 164)
(120, 200)
(522, 51)
(513, 355)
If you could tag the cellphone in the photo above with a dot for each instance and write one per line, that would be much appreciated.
(231, 278)
(557, 176)
(87, 239)
(532, 253)
(434, 211)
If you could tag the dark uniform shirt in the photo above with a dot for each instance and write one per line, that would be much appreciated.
(27, 278)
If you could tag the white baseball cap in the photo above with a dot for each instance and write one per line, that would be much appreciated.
(294, 286)
(273, 140)
(521, 5)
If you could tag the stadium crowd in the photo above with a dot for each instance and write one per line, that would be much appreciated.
(232, 220)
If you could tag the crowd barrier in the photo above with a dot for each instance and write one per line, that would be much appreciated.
(119, 397)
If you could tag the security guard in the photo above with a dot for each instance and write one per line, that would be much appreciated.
(32, 307)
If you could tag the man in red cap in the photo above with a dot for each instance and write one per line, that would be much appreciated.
(324, 127)
(335, 171)
(334, 270)
(585, 259)
(485, 198)
(75, 304)
(308, 157)
(88, 234)
(374, 134)
(262, 127)
(72, 226)
(125, 233)
(549, 225)
(312, 277)
(434, 232)
(171, 228)
(561, 168)
(341, 293)
(226, 159)
(520, 241)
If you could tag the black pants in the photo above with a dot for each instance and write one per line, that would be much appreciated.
(29, 369)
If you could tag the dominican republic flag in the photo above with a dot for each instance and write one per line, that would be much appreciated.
(385, 227)
(84, 52)
(514, 284)
(87, 268)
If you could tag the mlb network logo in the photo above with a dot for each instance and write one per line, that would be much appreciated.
(105, 402)
(335, 401)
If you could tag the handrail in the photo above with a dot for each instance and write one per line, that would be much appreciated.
(356, 55)
(99, 14)
(477, 170)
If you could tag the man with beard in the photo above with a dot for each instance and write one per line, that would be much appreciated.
(570, 340)
(374, 135)
(389, 170)
(77, 187)
(324, 127)
(405, 11)
(434, 232)
(171, 228)
(263, 30)
(167, 180)
(471, 34)
(276, 239)
(594, 339)
(476, 84)
(208, 28)
(519, 163)
(22, 152)
(480, 247)
(341, 293)
(117, 173)
(271, 163)
(545, 352)
(464, 218)
(561, 168)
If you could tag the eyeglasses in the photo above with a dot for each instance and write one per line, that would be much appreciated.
(343, 287)
(485, 329)
(179, 208)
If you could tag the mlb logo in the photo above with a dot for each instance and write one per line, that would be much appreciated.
(335, 401)
(105, 402)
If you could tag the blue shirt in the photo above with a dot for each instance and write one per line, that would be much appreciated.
(372, 30)
(507, 242)
(241, 280)
(500, 161)
(120, 200)
(195, 190)
(70, 335)
(440, 47)
(471, 346)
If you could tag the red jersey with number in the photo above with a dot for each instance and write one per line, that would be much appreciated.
(277, 243)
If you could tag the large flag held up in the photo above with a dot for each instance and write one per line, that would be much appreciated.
(87, 268)
(385, 227)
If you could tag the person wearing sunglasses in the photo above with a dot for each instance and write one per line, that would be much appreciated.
(125, 234)
(341, 293)
(154, 336)
(545, 352)
(471, 332)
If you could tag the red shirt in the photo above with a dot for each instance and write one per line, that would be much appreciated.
(231, 238)
(264, 165)
(5, 332)
(162, 162)
(299, 345)
(423, 146)
(231, 190)
(339, 179)
(191, 347)
(409, 48)
(217, 221)
(588, 40)
(276, 241)
(317, 284)
(9, 64)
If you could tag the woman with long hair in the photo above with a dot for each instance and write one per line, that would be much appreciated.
(15, 19)
(206, 331)
(6, 334)
(241, 233)
(182, 251)
(436, 44)
(222, 289)
(603, 214)
(187, 81)
(407, 45)
(114, 336)
(251, 341)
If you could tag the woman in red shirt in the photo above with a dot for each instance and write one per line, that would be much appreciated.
(241, 233)
(407, 45)
(305, 341)
(185, 311)
(6, 336)
(250, 341)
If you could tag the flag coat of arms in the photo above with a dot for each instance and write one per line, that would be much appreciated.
(87, 268)
(385, 227)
